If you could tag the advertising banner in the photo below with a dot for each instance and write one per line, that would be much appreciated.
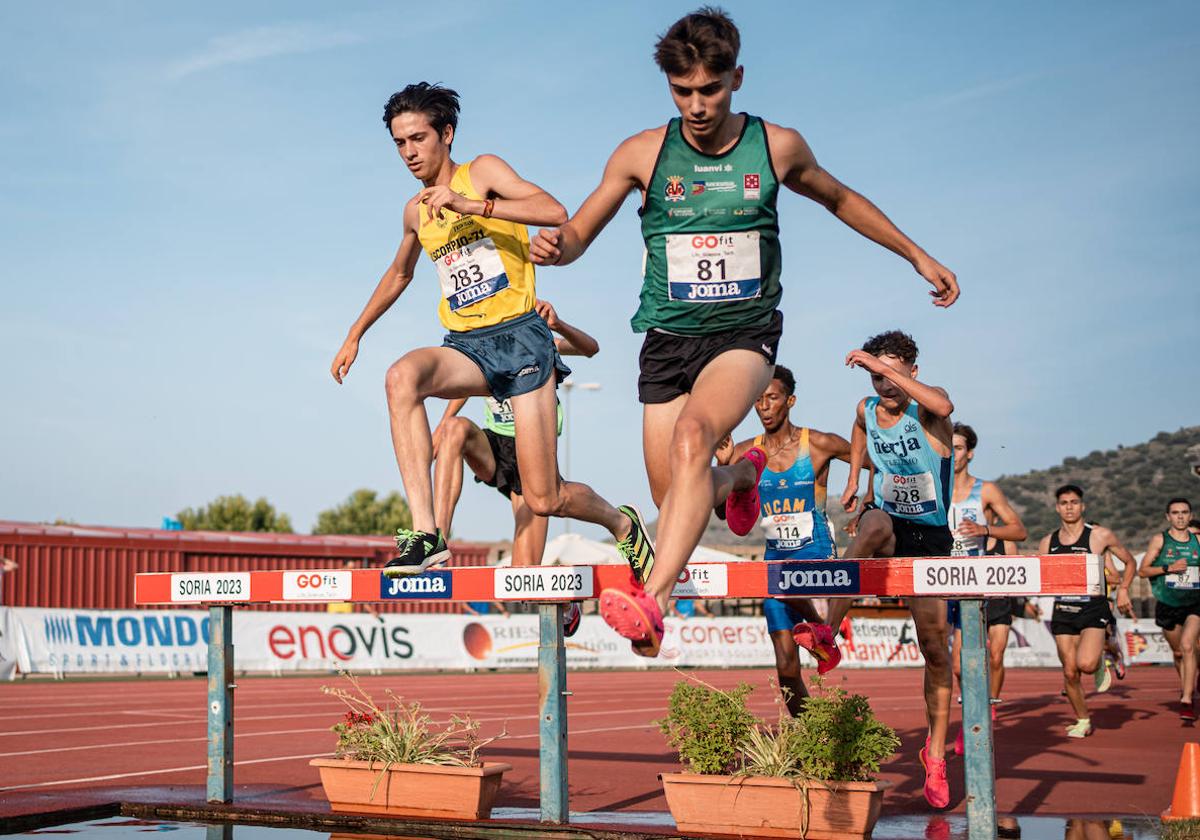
(176, 641)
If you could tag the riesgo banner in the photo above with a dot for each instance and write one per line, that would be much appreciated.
(63, 641)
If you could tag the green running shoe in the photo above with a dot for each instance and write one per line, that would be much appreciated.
(418, 551)
(636, 547)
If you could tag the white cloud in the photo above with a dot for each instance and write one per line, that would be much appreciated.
(258, 43)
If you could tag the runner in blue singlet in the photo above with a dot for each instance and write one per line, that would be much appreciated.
(792, 495)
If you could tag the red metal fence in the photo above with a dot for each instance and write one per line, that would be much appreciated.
(86, 567)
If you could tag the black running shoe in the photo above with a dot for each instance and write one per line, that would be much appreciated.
(636, 547)
(572, 615)
(418, 551)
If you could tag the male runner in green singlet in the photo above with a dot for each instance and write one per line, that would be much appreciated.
(708, 182)
(1079, 623)
(1172, 563)
(491, 453)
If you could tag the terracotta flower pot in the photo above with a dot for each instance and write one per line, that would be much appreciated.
(762, 806)
(411, 790)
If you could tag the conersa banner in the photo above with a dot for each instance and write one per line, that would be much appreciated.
(64, 641)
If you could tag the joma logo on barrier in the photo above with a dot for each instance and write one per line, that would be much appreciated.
(425, 586)
(813, 578)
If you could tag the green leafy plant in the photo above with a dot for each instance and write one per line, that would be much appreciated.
(838, 738)
(401, 733)
(707, 726)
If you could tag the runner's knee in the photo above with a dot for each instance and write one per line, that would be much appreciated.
(996, 659)
(692, 441)
(456, 432)
(402, 380)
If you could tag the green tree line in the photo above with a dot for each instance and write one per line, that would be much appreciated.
(363, 513)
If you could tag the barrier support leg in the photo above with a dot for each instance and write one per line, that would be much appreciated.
(552, 717)
(220, 704)
(977, 723)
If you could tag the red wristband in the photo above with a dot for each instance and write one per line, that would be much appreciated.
(488, 205)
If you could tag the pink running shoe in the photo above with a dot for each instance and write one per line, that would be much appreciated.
(742, 506)
(937, 788)
(817, 639)
(635, 615)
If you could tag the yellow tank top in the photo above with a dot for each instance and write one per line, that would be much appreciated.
(483, 266)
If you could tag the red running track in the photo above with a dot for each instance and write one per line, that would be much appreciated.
(68, 744)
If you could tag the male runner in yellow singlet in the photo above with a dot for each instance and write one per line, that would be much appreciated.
(470, 219)
(708, 182)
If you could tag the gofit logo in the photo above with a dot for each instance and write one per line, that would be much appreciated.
(813, 578)
(428, 586)
(316, 586)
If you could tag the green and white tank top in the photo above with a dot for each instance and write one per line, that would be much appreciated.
(712, 261)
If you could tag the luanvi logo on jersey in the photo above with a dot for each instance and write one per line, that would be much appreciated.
(712, 167)
(810, 577)
(425, 586)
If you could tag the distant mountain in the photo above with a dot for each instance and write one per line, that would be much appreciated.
(1125, 489)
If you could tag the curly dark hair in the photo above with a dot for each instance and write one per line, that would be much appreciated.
(786, 378)
(893, 343)
(439, 104)
(707, 36)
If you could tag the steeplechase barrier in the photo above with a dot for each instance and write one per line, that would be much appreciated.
(970, 579)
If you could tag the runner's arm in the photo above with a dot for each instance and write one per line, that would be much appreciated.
(1147, 569)
(829, 446)
(512, 198)
(800, 172)
(574, 341)
(858, 454)
(1044, 545)
(930, 398)
(394, 281)
(1109, 542)
(997, 504)
(622, 175)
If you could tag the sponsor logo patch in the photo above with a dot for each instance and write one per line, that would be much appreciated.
(428, 586)
(751, 186)
(813, 578)
(674, 189)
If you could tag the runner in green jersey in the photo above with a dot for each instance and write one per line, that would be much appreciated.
(708, 182)
(1172, 563)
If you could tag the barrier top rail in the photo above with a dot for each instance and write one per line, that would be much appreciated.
(956, 577)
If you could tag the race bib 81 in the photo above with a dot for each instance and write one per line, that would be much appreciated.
(713, 267)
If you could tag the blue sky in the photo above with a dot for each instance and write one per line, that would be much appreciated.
(197, 201)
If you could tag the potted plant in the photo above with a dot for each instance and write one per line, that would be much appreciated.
(394, 761)
(810, 776)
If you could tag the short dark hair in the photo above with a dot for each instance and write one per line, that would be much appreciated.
(967, 432)
(1069, 488)
(786, 379)
(893, 343)
(1178, 500)
(439, 104)
(707, 36)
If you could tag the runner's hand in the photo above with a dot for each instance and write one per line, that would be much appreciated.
(545, 248)
(546, 310)
(441, 198)
(1123, 602)
(344, 358)
(850, 498)
(724, 451)
(971, 529)
(945, 284)
(438, 434)
(864, 360)
(1177, 566)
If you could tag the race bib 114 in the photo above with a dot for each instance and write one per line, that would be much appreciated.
(788, 531)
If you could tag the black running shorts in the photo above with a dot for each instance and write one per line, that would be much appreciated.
(505, 479)
(1169, 617)
(670, 364)
(1070, 618)
(916, 540)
